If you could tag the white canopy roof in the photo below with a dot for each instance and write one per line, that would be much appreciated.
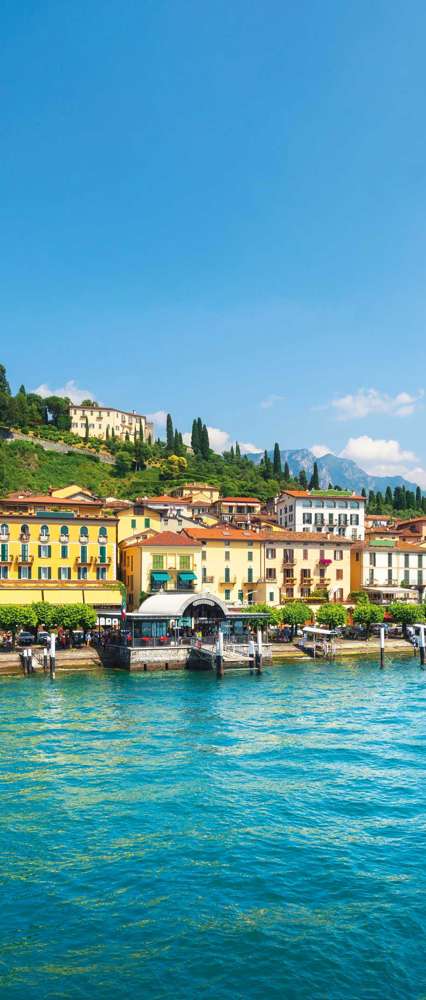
(169, 605)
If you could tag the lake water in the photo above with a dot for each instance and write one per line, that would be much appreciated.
(175, 836)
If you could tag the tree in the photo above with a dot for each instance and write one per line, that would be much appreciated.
(266, 466)
(286, 472)
(418, 498)
(88, 402)
(303, 482)
(277, 461)
(16, 616)
(86, 430)
(331, 615)
(295, 613)
(4, 384)
(406, 614)
(237, 450)
(363, 493)
(273, 615)
(169, 433)
(195, 437)
(388, 497)
(367, 614)
(205, 443)
(314, 480)
(122, 464)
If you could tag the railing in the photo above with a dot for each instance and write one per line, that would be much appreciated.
(103, 562)
(84, 562)
(25, 560)
(224, 582)
(4, 536)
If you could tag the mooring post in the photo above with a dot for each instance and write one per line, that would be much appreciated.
(219, 655)
(25, 661)
(259, 652)
(422, 646)
(30, 660)
(382, 646)
(251, 654)
(52, 658)
(45, 659)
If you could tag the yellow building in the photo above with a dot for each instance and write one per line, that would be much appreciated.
(199, 493)
(59, 546)
(105, 421)
(165, 560)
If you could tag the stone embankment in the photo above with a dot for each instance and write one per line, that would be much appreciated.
(60, 446)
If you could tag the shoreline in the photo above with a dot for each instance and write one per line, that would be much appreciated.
(89, 658)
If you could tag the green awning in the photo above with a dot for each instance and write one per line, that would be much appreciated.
(160, 577)
(187, 576)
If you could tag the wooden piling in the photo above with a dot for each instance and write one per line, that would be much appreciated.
(219, 656)
(422, 646)
(382, 646)
(259, 652)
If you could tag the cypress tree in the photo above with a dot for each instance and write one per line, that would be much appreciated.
(277, 461)
(363, 493)
(418, 498)
(237, 450)
(170, 440)
(205, 443)
(388, 496)
(86, 430)
(371, 499)
(195, 438)
(232, 453)
(303, 482)
(140, 432)
(314, 480)
(286, 472)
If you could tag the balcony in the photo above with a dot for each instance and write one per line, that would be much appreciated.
(289, 581)
(305, 581)
(324, 581)
(207, 579)
(84, 562)
(24, 536)
(227, 583)
(44, 539)
(25, 560)
(4, 536)
(103, 562)
(64, 539)
(289, 561)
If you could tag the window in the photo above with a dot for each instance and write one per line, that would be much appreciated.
(184, 562)
(158, 562)
(64, 573)
(372, 558)
(44, 551)
(354, 518)
(133, 522)
(24, 572)
(339, 594)
(271, 553)
(271, 574)
(82, 572)
(64, 532)
(227, 595)
(241, 595)
(101, 573)
(307, 519)
(4, 531)
(84, 534)
(4, 572)
(102, 554)
(64, 551)
(83, 553)
(4, 552)
(204, 554)
(305, 554)
(271, 595)
(203, 574)
(227, 542)
(44, 531)
(250, 556)
(250, 575)
(25, 530)
(103, 533)
(227, 556)
(339, 574)
(44, 573)
(147, 522)
(227, 574)
(338, 554)
(24, 551)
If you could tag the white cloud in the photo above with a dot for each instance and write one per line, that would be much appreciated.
(366, 402)
(270, 401)
(318, 450)
(70, 389)
(221, 441)
(159, 418)
(381, 457)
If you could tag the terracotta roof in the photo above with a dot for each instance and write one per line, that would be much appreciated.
(323, 494)
(223, 531)
(170, 539)
(48, 498)
(160, 499)
(305, 537)
(400, 546)
(238, 500)
(411, 520)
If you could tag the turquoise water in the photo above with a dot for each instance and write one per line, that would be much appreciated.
(174, 836)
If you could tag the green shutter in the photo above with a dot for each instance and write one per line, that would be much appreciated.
(4, 553)
(83, 553)
(102, 553)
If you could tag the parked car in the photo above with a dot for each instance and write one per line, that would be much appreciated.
(43, 638)
(25, 639)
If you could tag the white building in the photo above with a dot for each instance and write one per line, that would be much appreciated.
(102, 421)
(338, 512)
(389, 570)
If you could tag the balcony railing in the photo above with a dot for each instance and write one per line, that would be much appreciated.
(44, 538)
(207, 579)
(25, 560)
(24, 536)
(103, 562)
(6, 562)
(305, 581)
(289, 581)
(4, 536)
(288, 561)
(84, 562)
(64, 539)
(223, 582)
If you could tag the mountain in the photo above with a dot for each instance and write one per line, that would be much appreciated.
(339, 471)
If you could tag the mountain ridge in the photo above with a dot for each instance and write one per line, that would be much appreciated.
(331, 469)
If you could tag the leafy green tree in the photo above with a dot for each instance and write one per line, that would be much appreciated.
(277, 461)
(4, 384)
(122, 464)
(406, 614)
(273, 614)
(331, 615)
(367, 614)
(295, 613)
(14, 617)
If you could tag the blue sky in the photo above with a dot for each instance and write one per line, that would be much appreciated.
(219, 209)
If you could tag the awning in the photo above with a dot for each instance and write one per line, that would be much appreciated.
(187, 576)
(160, 577)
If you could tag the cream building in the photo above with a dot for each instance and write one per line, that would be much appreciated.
(389, 569)
(102, 421)
(336, 511)
(297, 565)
